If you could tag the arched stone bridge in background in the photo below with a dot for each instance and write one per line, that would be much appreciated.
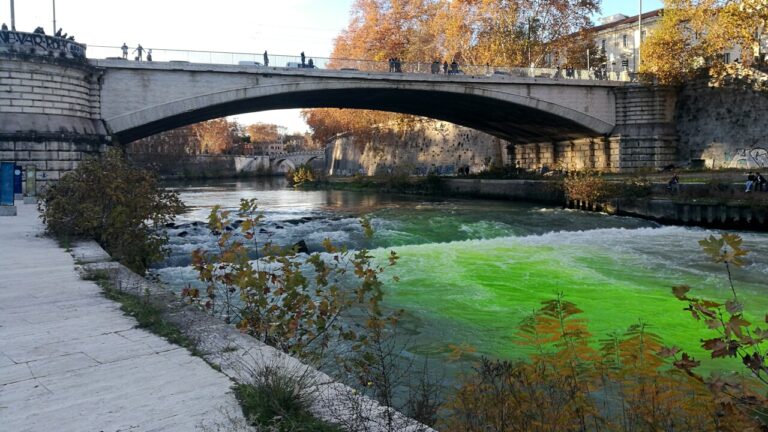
(139, 99)
(284, 162)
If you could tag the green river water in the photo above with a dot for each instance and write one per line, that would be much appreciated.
(472, 269)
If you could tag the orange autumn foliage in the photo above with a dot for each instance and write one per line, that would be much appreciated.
(472, 32)
(569, 385)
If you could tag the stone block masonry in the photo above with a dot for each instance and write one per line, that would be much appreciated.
(725, 126)
(50, 110)
(586, 153)
(425, 145)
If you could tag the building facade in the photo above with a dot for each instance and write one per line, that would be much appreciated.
(619, 36)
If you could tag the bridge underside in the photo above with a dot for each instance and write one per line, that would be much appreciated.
(513, 122)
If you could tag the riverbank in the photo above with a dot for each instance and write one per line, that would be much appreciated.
(68, 346)
(72, 361)
(713, 201)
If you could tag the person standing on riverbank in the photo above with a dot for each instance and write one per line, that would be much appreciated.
(266, 59)
(125, 50)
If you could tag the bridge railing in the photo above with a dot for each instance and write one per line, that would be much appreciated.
(351, 65)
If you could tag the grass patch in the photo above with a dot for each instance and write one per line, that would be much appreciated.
(149, 317)
(277, 401)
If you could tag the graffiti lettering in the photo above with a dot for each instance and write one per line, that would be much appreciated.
(15, 41)
(755, 157)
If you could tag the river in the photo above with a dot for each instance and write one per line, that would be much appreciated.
(470, 270)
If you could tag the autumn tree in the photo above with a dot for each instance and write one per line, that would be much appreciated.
(695, 33)
(472, 32)
(263, 133)
(179, 141)
(216, 136)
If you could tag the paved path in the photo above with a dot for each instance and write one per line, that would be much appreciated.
(71, 361)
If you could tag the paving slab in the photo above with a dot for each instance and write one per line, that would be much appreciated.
(71, 361)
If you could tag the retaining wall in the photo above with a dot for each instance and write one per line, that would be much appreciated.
(425, 145)
(49, 105)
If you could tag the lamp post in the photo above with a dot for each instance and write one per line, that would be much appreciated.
(13, 17)
(639, 37)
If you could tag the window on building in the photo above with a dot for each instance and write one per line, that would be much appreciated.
(624, 41)
(643, 35)
(727, 58)
(602, 45)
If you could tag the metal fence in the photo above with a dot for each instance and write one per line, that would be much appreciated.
(351, 65)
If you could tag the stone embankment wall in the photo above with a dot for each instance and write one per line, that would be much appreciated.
(203, 166)
(523, 190)
(726, 126)
(423, 146)
(673, 210)
(49, 104)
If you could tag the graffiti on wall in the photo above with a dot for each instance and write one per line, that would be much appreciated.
(18, 40)
(755, 157)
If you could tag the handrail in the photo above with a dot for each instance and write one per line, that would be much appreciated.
(354, 65)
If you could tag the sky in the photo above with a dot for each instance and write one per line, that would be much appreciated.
(278, 26)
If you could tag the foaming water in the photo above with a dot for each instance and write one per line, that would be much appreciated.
(471, 270)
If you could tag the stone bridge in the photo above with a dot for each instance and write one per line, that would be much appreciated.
(57, 106)
(284, 162)
(139, 99)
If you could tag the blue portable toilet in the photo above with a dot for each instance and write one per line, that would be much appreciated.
(17, 176)
(6, 183)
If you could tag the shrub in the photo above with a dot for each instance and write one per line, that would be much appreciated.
(301, 175)
(568, 384)
(291, 301)
(117, 205)
(587, 186)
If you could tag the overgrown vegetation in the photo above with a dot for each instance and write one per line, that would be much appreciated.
(303, 174)
(586, 186)
(590, 186)
(318, 306)
(279, 402)
(288, 300)
(117, 205)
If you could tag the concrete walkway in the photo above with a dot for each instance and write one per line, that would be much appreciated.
(71, 361)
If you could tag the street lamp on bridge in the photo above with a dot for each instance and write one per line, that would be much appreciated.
(13, 17)
(639, 37)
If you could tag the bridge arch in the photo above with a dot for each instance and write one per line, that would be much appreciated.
(500, 113)
(283, 165)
